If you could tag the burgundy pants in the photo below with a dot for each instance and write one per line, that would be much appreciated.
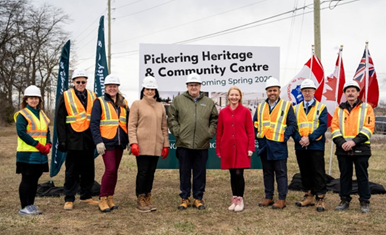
(112, 159)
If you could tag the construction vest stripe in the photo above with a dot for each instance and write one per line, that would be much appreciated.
(106, 108)
(336, 134)
(109, 122)
(279, 121)
(122, 119)
(72, 102)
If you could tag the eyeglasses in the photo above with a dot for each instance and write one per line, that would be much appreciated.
(79, 82)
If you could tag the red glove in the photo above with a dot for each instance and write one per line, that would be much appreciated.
(165, 152)
(135, 149)
(40, 147)
(47, 148)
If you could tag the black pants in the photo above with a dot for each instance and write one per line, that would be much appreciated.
(312, 170)
(192, 159)
(272, 168)
(80, 171)
(27, 189)
(146, 166)
(237, 182)
(346, 172)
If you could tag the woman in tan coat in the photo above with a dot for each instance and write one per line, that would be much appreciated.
(148, 136)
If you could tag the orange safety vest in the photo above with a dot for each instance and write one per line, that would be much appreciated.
(77, 116)
(272, 125)
(310, 122)
(109, 119)
(37, 128)
(350, 124)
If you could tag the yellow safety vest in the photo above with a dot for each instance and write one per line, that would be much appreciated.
(310, 122)
(348, 125)
(36, 128)
(78, 117)
(109, 119)
(272, 125)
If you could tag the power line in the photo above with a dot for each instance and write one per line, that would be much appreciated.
(246, 26)
(147, 9)
(128, 4)
(189, 22)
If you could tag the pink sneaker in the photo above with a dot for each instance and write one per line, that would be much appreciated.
(232, 207)
(239, 205)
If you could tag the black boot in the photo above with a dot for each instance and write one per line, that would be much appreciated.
(343, 205)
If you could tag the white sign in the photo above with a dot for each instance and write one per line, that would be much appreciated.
(220, 67)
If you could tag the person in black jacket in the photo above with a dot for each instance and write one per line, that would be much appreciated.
(74, 135)
(351, 129)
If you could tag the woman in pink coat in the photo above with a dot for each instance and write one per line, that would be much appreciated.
(235, 144)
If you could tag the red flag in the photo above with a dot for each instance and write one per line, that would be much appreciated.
(367, 79)
(333, 87)
(313, 70)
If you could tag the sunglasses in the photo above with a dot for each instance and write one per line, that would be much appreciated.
(79, 82)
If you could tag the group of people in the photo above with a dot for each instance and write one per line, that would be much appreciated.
(86, 123)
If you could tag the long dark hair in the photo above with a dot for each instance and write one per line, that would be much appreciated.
(156, 97)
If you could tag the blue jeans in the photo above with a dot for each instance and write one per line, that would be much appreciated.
(192, 159)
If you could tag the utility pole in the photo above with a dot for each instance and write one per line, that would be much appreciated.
(109, 36)
(317, 29)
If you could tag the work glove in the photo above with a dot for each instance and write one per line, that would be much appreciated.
(135, 149)
(101, 148)
(47, 148)
(41, 148)
(165, 152)
(62, 147)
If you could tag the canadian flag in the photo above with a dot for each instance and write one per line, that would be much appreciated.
(313, 70)
(333, 87)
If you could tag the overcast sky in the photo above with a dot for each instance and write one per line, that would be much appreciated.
(348, 23)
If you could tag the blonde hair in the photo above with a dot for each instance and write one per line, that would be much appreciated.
(237, 89)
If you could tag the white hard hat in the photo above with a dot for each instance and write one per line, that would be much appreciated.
(272, 82)
(112, 79)
(351, 83)
(149, 82)
(307, 83)
(193, 77)
(79, 73)
(32, 91)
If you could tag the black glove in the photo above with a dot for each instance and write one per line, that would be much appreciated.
(62, 147)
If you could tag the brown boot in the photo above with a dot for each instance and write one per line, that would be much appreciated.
(280, 204)
(90, 201)
(266, 202)
(150, 203)
(110, 202)
(184, 204)
(308, 200)
(141, 204)
(320, 203)
(103, 206)
(199, 204)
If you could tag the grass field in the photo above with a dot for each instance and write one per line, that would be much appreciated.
(216, 219)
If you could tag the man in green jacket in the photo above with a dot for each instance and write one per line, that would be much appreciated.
(192, 119)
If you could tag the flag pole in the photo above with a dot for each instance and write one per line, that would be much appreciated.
(367, 70)
(312, 60)
(337, 100)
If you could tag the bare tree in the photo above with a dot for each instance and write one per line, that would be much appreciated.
(30, 44)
